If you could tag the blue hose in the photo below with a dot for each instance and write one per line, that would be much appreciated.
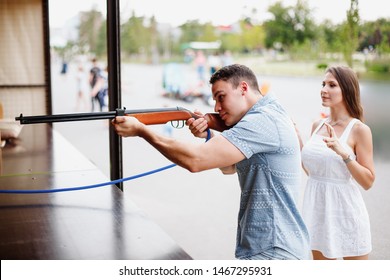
(95, 185)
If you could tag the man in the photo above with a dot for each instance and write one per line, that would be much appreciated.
(262, 147)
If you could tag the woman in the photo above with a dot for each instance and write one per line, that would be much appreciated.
(338, 159)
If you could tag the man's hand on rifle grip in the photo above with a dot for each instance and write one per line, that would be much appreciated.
(198, 126)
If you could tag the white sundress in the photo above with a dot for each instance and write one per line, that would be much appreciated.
(333, 207)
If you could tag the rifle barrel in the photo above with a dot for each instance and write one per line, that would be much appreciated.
(146, 116)
(65, 117)
(89, 116)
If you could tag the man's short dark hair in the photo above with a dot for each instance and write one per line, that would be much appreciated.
(234, 74)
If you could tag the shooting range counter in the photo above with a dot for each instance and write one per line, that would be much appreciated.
(96, 223)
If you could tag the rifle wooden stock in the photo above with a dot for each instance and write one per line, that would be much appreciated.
(147, 116)
(213, 119)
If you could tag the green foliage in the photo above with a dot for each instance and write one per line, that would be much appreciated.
(378, 66)
(101, 45)
(192, 31)
(375, 35)
(350, 32)
(207, 33)
(135, 36)
(90, 24)
(252, 36)
(68, 51)
(290, 30)
(384, 46)
(290, 25)
(303, 51)
(231, 42)
(322, 66)
(280, 28)
(329, 37)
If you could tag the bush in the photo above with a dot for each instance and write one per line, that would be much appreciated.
(322, 66)
(378, 67)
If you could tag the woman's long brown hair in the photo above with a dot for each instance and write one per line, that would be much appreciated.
(349, 84)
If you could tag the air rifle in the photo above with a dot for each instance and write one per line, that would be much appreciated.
(146, 116)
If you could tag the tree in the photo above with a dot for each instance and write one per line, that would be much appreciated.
(231, 41)
(289, 25)
(279, 30)
(351, 32)
(101, 44)
(302, 22)
(154, 41)
(375, 35)
(329, 34)
(135, 37)
(252, 36)
(89, 28)
(208, 33)
(192, 31)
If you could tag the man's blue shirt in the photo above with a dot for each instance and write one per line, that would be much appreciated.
(270, 180)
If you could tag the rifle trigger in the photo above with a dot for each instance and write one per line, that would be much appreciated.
(177, 124)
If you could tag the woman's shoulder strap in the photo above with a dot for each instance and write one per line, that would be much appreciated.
(348, 129)
(320, 124)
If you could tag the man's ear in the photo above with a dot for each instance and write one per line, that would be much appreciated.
(244, 87)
